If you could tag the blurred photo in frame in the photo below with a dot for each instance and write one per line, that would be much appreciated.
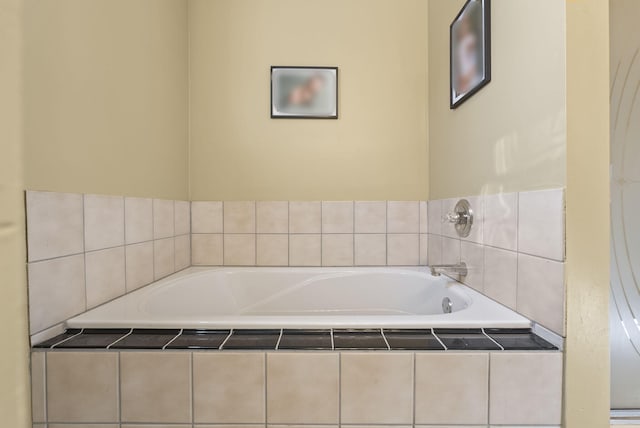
(304, 92)
(470, 51)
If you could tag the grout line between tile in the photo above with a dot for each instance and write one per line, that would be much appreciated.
(279, 339)
(333, 346)
(119, 367)
(118, 340)
(438, 339)
(492, 339)
(385, 340)
(171, 341)
(67, 339)
(46, 389)
(225, 340)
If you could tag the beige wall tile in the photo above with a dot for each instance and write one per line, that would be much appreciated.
(526, 388)
(434, 249)
(82, 386)
(105, 275)
(304, 217)
(182, 218)
(337, 250)
(541, 291)
(447, 228)
(54, 224)
(239, 250)
(272, 250)
(452, 388)
(229, 387)
(403, 217)
(163, 258)
(138, 220)
(403, 250)
(240, 217)
(473, 256)
(424, 217)
(541, 223)
(139, 265)
(56, 291)
(434, 217)
(38, 387)
(501, 275)
(182, 246)
(370, 217)
(206, 217)
(376, 388)
(424, 249)
(163, 219)
(476, 234)
(304, 250)
(501, 221)
(206, 250)
(272, 217)
(337, 217)
(103, 221)
(370, 249)
(85, 426)
(155, 387)
(155, 426)
(302, 388)
(450, 250)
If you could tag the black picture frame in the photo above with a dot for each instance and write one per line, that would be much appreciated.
(327, 106)
(468, 73)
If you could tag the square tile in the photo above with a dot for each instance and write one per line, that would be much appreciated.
(337, 250)
(519, 339)
(403, 250)
(38, 387)
(240, 217)
(541, 291)
(103, 222)
(206, 250)
(163, 219)
(412, 340)
(304, 250)
(272, 250)
(182, 245)
(501, 276)
(465, 339)
(434, 217)
(376, 388)
(82, 387)
(541, 223)
(199, 339)
(206, 217)
(337, 217)
(252, 339)
(56, 291)
(305, 217)
(94, 338)
(305, 339)
(240, 250)
(501, 221)
(105, 275)
(163, 258)
(403, 217)
(155, 387)
(182, 218)
(54, 225)
(229, 387)
(370, 217)
(138, 220)
(526, 388)
(434, 250)
(139, 265)
(272, 217)
(464, 400)
(359, 339)
(370, 249)
(303, 388)
(142, 338)
(473, 256)
(450, 250)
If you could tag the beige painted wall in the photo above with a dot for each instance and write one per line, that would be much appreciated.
(106, 97)
(510, 136)
(14, 358)
(377, 149)
(587, 199)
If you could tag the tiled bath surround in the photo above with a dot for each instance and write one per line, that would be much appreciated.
(320, 233)
(352, 388)
(515, 252)
(84, 250)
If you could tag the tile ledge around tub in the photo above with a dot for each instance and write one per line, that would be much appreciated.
(490, 339)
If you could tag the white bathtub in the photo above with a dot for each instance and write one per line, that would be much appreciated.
(215, 298)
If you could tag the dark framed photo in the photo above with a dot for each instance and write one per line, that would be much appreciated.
(304, 92)
(470, 50)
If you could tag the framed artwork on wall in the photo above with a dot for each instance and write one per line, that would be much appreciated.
(470, 51)
(304, 92)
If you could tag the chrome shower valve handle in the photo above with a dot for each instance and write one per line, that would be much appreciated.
(461, 217)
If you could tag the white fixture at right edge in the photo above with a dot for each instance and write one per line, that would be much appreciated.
(461, 217)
